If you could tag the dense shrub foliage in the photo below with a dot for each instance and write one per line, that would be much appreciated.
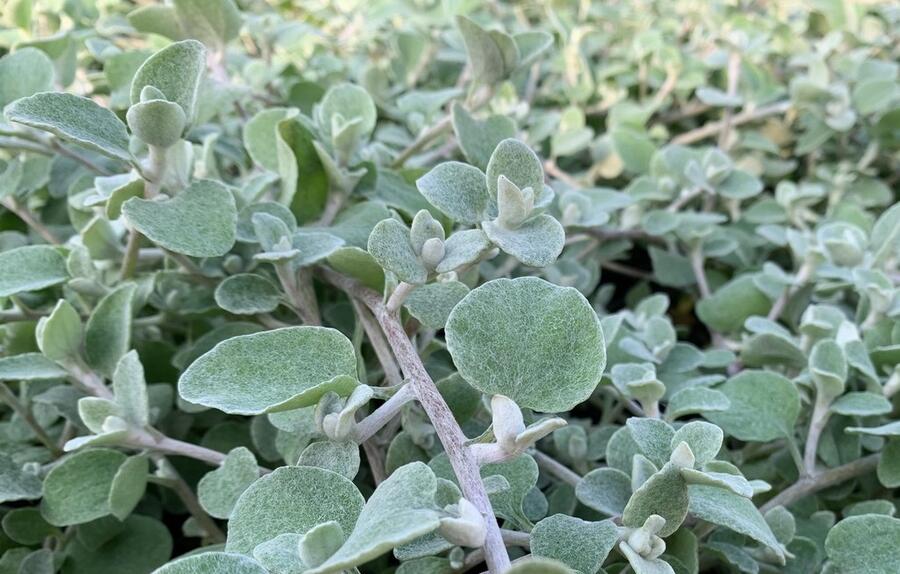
(437, 287)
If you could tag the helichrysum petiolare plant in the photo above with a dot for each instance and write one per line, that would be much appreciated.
(443, 287)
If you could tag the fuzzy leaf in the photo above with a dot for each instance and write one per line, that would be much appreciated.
(732, 304)
(176, 71)
(75, 119)
(537, 242)
(247, 294)
(695, 400)
(213, 563)
(128, 486)
(581, 545)
(157, 122)
(213, 22)
(493, 55)
(458, 190)
(218, 491)
(861, 405)
(725, 508)
(260, 136)
(764, 406)
(200, 221)
(479, 138)
(605, 489)
(59, 334)
(292, 499)
(16, 484)
(463, 248)
(31, 268)
(705, 440)
(664, 494)
(77, 490)
(24, 73)
(107, 335)
(431, 304)
(29, 367)
(518, 163)
(340, 457)
(271, 371)
(536, 343)
(864, 544)
(389, 244)
(130, 389)
(401, 509)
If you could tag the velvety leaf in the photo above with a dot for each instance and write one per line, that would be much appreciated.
(861, 405)
(75, 119)
(59, 334)
(128, 486)
(605, 489)
(130, 389)
(15, 483)
(247, 294)
(260, 136)
(478, 139)
(518, 163)
(537, 242)
(463, 248)
(340, 457)
(213, 563)
(215, 23)
(732, 304)
(389, 244)
(291, 499)
(142, 545)
(888, 470)
(864, 544)
(200, 221)
(29, 367)
(458, 190)
(107, 335)
(664, 494)
(764, 406)
(30, 268)
(581, 545)
(304, 181)
(219, 489)
(492, 55)
(695, 400)
(539, 566)
(555, 367)
(77, 490)
(431, 304)
(276, 370)
(654, 437)
(157, 122)
(358, 264)
(401, 508)
(704, 439)
(725, 508)
(24, 73)
(26, 526)
(176, 71)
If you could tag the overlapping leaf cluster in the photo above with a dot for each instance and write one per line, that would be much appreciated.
(433, 288)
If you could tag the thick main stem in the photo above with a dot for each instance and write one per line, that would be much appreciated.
(811, 484)
(454, 441)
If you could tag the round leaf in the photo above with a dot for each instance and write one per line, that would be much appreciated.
(536, 343)
(291, 499)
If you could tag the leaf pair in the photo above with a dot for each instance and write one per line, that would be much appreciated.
(503, 200)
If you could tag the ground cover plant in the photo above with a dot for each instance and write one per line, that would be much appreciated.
(424, 287)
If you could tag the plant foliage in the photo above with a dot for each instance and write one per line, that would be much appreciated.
(424, 287)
